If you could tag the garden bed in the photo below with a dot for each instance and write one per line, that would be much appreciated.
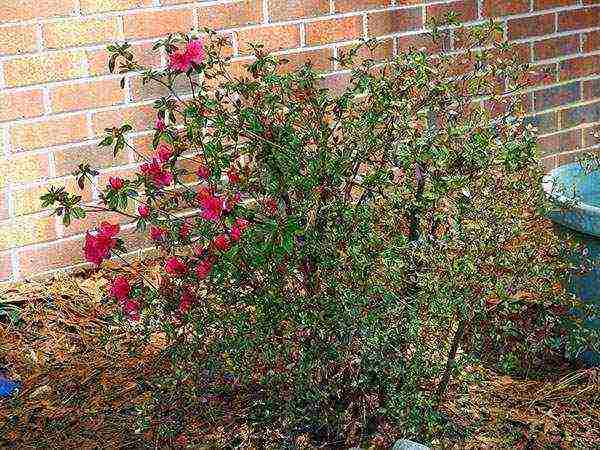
(83, 386)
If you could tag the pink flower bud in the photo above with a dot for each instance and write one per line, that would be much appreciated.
(116, 183)
(143, 211)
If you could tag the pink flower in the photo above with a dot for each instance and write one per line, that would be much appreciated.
(203, 193)
(195, 51)
(236, 233)
(203, 172)
(157, 233)
(271, 205)
(160, 124)
(212, 208)
(163, 153)
(222, 242)
(120, 288)
(233, 175)
(155, 171)
(116, 183)
(131, 309)
(175, 266)
(204, 268)
(182, 61)
(99, 243)
(185, 302)
(143, 210)
(179, 62)
(241, 223)
(184, 230)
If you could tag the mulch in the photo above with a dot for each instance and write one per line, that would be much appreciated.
(82, 384)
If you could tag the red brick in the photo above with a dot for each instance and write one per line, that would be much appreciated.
(18, 39)
(389, 22)
(93, 94)
(555, 47)
(336, 83)
(383, 51)
(591, 136)
(149, 24)
(229, 15)
(66, 160)
(21, 104)
(45, 258)
(274, 38)
(320, 60)
(579, 67)
(466, 10)
(5, 266)
(78, 32)
(547, 4)
(560, 142)
(37, 69)
(557, 96)
(26, 230)
(280, 10)
(423, 40)
(95, 6)
(495, 8)
(21, 10)
(23, 168)
(139, 117)
(333, 30)
(154, 90)
(344, 6)
(578, 19)
(548, 163)
(591, 41)
(579, 115)
(568, 158)
(531, 26)
(3, 204)
(591, 89)
(48, 132)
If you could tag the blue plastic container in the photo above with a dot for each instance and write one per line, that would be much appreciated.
(576, 190)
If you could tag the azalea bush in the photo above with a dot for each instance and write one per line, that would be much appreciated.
(328, 262)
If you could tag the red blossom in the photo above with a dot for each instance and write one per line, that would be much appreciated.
(163, 153)
(120, 288)
(185, 302)
(236, 233)
(182, 61)
(222, 242)
(144, 210)
(131, 309)
(160, 125)
(157, 233)
(233, 176)
(175, 266)
(116, 183)
(155, 171)
(271, 205)
(99, 243)
(212, 208)
(184, 230)
(203, 193)
(204, 268)
(203, 172)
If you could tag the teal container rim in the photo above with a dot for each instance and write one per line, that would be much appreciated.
(574, 205)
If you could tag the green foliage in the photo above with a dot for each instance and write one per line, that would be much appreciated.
(395, 236)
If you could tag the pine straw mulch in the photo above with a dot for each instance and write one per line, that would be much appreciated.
(80, 391)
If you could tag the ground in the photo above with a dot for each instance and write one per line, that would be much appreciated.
(81, 385)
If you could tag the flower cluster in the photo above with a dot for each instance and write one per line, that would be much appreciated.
(100, 242)
(181, 61)
(121, 290)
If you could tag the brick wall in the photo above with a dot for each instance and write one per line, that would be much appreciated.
(56, 96)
